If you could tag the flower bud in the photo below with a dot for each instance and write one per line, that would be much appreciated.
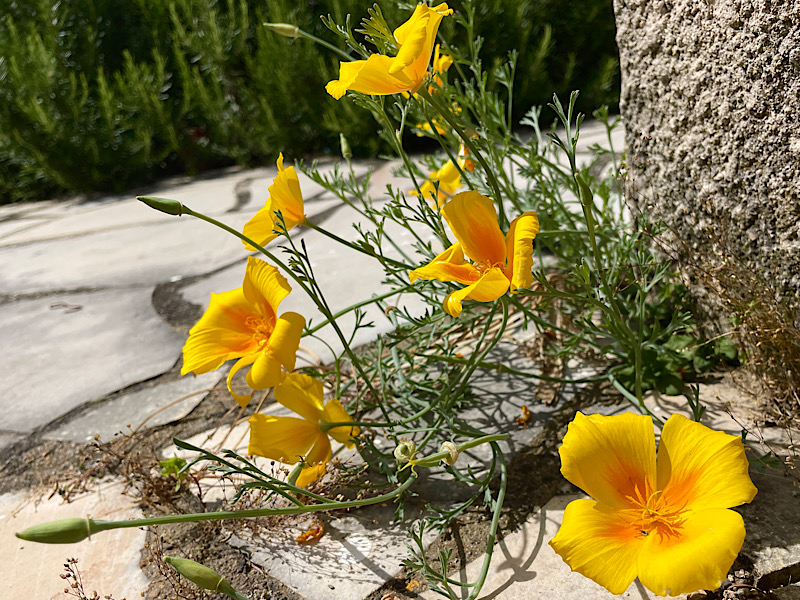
(405, 451)
(453, 452)
(347, 153)
(201, 575)
(165, 205)
(62, 531)
(284, 29)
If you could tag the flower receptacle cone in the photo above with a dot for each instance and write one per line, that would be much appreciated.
(165, 205)
(63, 531)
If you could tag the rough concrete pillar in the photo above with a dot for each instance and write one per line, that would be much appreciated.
(711, 103)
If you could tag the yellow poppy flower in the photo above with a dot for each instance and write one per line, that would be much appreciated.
(284, 196)
(449, 181)
(292, 439)
(380, 74)
(439, 65)
(664, 519)
(243, 324)
(497, 262)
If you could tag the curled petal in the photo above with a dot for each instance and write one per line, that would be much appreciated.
(701, 468)
(285, 338)
(473, 219)
(301, 394)
(261, 228)
(264, 288)
(242, 399)
(335, 413)
(447, 266)
(489, 287)
(413, 45)
(287, 439)
(519, 249)
(613, 459)
(317, 460)
(697, 557)
(598, 542)
(285, 196)
(369, 76)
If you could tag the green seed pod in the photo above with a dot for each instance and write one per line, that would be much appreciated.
(405, 451)
(165, 205)
(347, 153)
(201, 575)
(63, 531)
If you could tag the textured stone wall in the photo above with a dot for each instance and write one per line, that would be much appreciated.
(711, 103)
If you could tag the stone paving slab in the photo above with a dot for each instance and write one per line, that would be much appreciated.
(61, 351)
(108, 562)
(525, 566)
(162, 403)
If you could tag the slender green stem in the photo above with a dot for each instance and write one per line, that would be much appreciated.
(490, 176)
(434, 459)
(327, 45)
(356, 247)
(501, 368)
(358, 305)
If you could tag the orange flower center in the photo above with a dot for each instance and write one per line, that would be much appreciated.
(484, 267)
(653, 513)
(260, 327)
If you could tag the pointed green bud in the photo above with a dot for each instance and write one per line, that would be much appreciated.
(165, 205)
(347, 153)
(63, 531)
(284, 29)
(202, 576)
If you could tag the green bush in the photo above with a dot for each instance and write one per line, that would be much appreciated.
(103, 95)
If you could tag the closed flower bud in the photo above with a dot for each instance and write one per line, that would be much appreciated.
(453, 452)
(284, 29)
(165, 205)
(202, 576)
(347, 153)
(405, 451)
(63, 531)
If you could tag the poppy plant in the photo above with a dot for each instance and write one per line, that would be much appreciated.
(284, 196)
(662, 519)
(381, 74)
(498, 262)
(449, 180)
(243, 323)
(292, 439)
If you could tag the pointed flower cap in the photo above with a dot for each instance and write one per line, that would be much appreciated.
(662, 518)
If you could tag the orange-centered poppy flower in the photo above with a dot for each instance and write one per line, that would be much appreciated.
(243, 323)
(292, 439)
(664, 520)
(497, 261)
(284, 196)
(381, 74)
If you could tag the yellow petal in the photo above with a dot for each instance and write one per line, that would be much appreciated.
(369, 76)
(242, 399)
(701, 468)
(265, 372)
(448, 177)
(317, 459)
(335, 413)
(413, 44)
(287, 197)
(425, 20)
(697, 557)
(612, 458)
(489, 287)
(261, 227)
(519, 248)
(473, 220)
(598, 542)
(447, 266)
(264, 288)
(301, 394)
(221, 333)
(285, 338)
(287, 439)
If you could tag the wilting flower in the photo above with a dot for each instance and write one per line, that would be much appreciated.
(381, 74)
(284, 196)
(497, 262)
(243, 324)
(292, 439)
(665, 519)
(449, 180)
